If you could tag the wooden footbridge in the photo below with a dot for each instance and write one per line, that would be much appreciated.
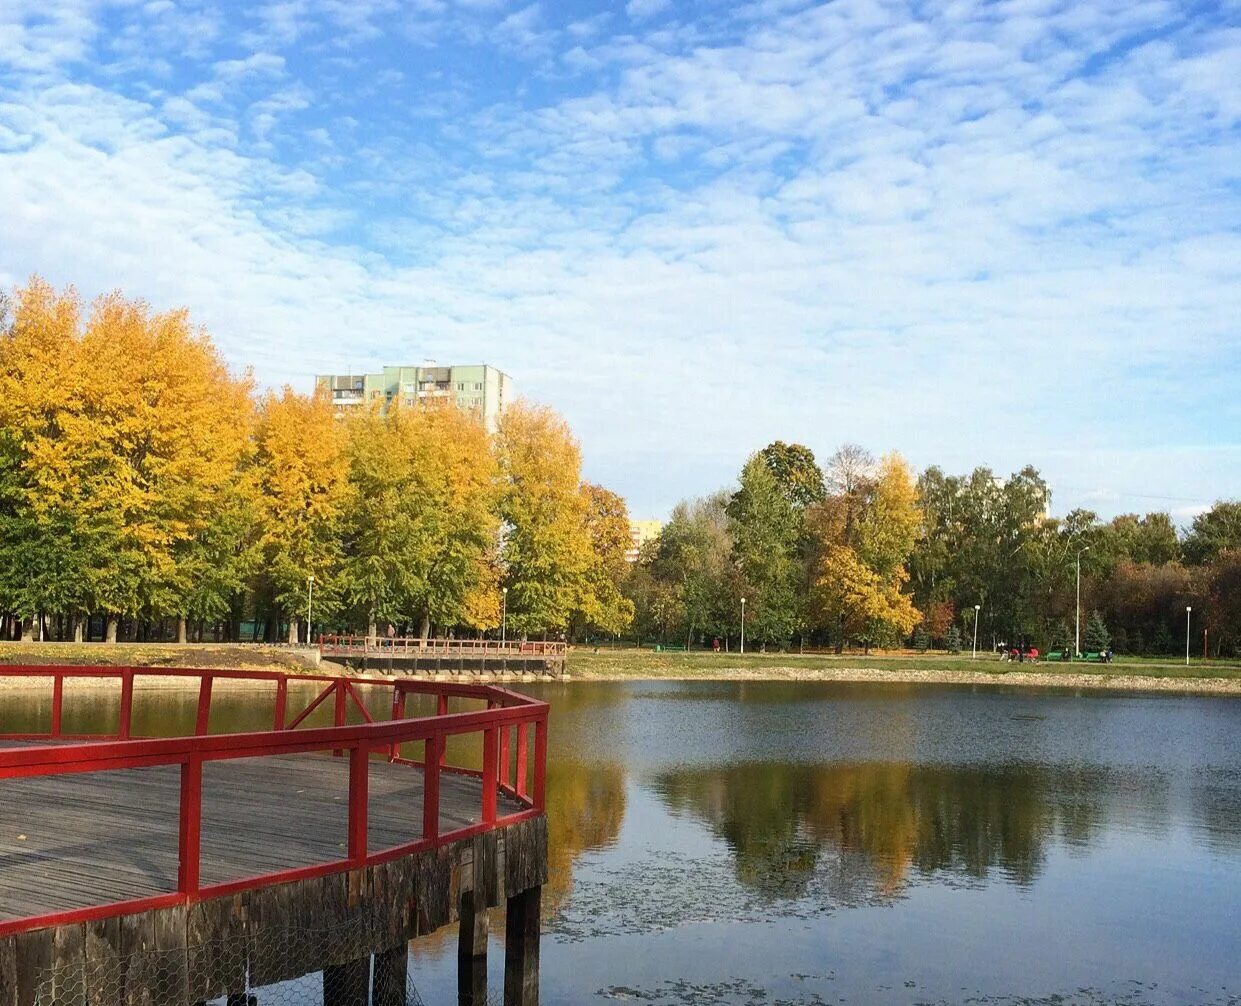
(181, 870)
(388, 654)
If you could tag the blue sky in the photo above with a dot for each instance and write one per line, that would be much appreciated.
(977, 232)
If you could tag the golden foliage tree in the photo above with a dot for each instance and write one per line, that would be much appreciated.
(546, 550)
(302, 468)
(859, 553)
(602, 606)
(421, 527)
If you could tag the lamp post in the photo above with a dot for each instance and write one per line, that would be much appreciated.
(743, 625)
(1188, 609)
(977, 609)
(1077, 621)
(310, 602)
(503, 617)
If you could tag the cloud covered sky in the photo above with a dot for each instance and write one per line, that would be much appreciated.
(998, 232)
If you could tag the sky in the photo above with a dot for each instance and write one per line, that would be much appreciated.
(1003, 232)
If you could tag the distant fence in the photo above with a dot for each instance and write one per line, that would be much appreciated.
(413, 647)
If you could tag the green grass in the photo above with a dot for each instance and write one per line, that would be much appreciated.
(234, 656)
(634, 663)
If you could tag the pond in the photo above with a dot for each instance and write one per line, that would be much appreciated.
(780, 843)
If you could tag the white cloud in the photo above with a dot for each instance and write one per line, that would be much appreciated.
(978, 236)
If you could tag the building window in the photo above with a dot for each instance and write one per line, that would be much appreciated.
(478, 387)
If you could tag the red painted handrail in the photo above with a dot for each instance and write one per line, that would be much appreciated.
(506, 711)
(415, 646)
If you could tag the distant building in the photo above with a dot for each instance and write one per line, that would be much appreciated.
(478, 388)
(640, 532)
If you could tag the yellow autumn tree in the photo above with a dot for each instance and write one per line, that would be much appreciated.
(42, 564)
(421, 529)
(602, 606)
(301, 493)
(858, 567)
(132, 439)
(547, 552)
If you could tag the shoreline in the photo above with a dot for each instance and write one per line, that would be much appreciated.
(1068, 680)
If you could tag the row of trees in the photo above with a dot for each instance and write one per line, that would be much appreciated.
(861, 552)
(145, 485)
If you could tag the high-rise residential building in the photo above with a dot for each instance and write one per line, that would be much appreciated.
(479, 388)
(640, 532)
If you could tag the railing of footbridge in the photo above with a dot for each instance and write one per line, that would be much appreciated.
(512, 727)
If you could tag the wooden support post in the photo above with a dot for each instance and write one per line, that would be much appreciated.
(472, 944)
(347, 984)
(521, 948)
(388, 985)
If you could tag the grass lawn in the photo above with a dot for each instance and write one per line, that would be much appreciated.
(645, 663)
(230, 656)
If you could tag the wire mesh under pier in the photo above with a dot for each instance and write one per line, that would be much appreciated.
(264, 968)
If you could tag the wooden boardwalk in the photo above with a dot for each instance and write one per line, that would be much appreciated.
(73, 841)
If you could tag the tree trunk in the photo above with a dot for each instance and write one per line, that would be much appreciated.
(183, 635)
(113, 625)
(27, 630)
(424, 629)
(77, 628)
(293, 634)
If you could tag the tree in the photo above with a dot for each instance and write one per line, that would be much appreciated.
(1216, 531)
(953, 640)
(546, 550)
(1096, 637)
(419, 518)
(766, 530)
(603, 607)
(861, 539)
(799, 477)
(301, 468)
(694, 555)
(131, 438)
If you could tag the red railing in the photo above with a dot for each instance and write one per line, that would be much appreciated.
(523, 778)
(413, 646)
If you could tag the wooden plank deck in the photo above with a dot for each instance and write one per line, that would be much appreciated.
(76, 841)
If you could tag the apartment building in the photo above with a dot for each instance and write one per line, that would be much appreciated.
(476, 387)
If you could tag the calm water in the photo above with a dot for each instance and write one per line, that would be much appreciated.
(780, 843)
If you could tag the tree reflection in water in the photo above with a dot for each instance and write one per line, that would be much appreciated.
(777, 820)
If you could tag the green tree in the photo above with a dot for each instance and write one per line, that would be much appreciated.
(1096, 637)
(766, 532)
(798, 475)
(1214, 532)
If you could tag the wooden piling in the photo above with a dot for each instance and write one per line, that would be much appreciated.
(521, 948)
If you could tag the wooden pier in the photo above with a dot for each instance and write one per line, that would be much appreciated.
(388, 655)
(173, 871)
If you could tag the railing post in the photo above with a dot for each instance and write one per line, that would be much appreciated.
(523, 743)
(489, 775)
(282, 702)
(540, 763)
(441, 709)
(359, 803)
(203, 720)
(431, 787)
(398, 713)
(339, 716)
(189, 840)
(127, 704)
(504, 755)
(58, 703)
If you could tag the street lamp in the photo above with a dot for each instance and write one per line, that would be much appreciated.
(1077, 621)
(743, 625)
(310, 601)
(503, 617)
(977, 609)
(1188, 609)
